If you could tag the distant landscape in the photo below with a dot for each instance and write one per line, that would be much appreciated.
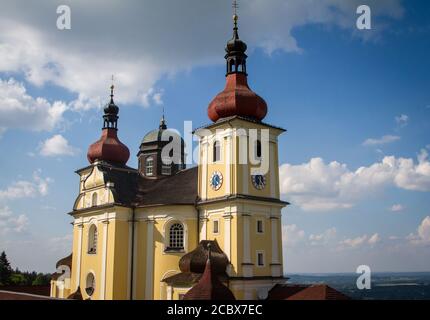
(384, 286)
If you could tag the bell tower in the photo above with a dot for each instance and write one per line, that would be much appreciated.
(239, 200)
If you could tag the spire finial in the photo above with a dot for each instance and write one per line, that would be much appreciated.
(163, 121)
(235, 6)
(111, 89)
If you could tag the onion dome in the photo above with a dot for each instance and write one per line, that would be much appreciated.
(237, 99)
(109, 148)
(209, 286)
(195, 261)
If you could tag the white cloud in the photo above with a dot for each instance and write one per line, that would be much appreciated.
(57, 145)
(9, 222)
(20, 110)
(354, 242)
(374, 239)
(402, 120)
(383, 140)
(152, 97)
(397, 208)
(292, 235)
(145, 49)
(317, 186)
(323, 238)
(26, 189)
(423, 233)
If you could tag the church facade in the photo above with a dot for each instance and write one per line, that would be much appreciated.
(131, 227)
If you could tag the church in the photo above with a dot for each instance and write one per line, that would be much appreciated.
(149, 233)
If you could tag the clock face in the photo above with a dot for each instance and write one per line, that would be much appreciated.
(259, 181)
(216, 180)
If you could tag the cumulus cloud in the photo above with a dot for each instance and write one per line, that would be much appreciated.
(57, 145)
(360, 240)
(11, 223)
(383, 140)
(134, 41)
(26, 189)
(20, 110)
(318, 186)
(292, 235)
(397, 208)
(323, 238)
(423, 233)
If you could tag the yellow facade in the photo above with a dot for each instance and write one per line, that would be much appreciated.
(131, 261)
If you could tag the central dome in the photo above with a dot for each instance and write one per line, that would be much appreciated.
(157, 134)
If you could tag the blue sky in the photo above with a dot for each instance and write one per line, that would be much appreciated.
(330, 85)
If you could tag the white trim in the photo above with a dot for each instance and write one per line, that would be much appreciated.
(104, 260)
(203, 230)
(91, 271)
(227, 235)
(204, 164)
(275, 247)
(78, 263)
(272, 170)
(149, 260)
(228, 162)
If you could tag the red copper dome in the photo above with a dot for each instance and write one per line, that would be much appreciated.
(237, 99)
(109, 148)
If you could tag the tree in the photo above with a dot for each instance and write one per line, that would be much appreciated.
(5, 269)
(41, 280)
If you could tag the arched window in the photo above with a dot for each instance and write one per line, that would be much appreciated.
(217, 151)
(92, 239)
(258, 149)
(94, 199)
(176, 237)
(90, 284)
(149, 166)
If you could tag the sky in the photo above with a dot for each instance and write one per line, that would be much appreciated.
(354, 162)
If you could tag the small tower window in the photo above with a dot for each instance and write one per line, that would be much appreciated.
(92, 240)
(217, 151)
(258, 149)
(94, 199)
(176, 237)
(216, 226)
(260, 226)
(90, 284)
(260, 259)
(149, 166)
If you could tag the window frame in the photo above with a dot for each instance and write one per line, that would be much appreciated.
(216, 151)
(213, 226)
(258, 253)
(175, 248)
(149, 164)
(262, 226)
(92, 239)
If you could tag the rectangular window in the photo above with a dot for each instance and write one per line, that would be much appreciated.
(216, 226)
(260, 259)
(260, 226)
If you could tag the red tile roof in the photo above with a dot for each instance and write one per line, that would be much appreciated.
(306, 292)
